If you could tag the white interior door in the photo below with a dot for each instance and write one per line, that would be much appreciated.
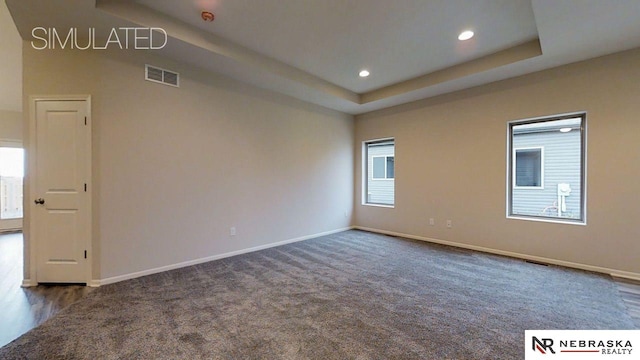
(61, 204)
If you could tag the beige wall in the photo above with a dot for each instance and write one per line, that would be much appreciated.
(450, 164)
(175, 168)
(10, 64)
(10, 125)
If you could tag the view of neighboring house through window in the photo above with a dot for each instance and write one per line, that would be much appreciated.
(11, 173)
(379, 171)
(546, 177)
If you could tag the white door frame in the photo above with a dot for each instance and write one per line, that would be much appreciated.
(32, 175)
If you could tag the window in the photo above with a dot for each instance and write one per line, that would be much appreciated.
(529, 168)
(546, 169)
(379, 172)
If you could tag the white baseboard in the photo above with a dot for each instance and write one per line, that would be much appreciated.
(28, 283)
(625, 275)
(114, 279)
(612, 272)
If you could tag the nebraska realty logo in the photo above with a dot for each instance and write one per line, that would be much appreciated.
(581, 344)
(123, 38)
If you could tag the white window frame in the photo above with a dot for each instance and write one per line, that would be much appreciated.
(583, 166)
(515, 150)
(365, 172)
(386, 173)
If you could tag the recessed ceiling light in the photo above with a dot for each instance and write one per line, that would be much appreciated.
(565, 130)
(465, 35)
(364, 73)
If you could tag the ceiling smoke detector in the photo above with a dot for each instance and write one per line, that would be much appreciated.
(207, 16)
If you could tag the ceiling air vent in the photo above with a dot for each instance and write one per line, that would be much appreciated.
(162, 76)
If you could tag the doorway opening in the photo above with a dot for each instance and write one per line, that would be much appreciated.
(11, 186)
(11, 240)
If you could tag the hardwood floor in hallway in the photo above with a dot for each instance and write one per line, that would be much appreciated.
(25, 308)
(630, 293)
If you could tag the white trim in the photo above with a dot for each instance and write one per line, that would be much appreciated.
(558, 220)
(547, 117)
(599, 269)
(94, 283)
(89, 193)
(508, 178)
(28, 283)
(626, 275)
(31, 170)
(363, 180)
(379, 205)
(585, 152)
(11, 143)
(513, 168)
(30, 176)
(379, 140)
(160, 269)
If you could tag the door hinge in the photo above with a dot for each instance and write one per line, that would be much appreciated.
(85, 254)
(85, 120)
(85, 187)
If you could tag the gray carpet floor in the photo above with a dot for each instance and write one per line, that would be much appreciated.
(351, 295)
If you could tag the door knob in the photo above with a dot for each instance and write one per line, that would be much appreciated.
(39, 201)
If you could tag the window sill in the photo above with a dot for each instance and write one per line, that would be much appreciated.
(547, 220)
(379, 205)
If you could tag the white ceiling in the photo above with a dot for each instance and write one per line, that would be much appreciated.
(334, 39)
(314, 49)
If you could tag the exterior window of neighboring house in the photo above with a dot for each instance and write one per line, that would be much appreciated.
(546, 169)
(379, 172)
(11, 173)
(529, 168)
(382, 167)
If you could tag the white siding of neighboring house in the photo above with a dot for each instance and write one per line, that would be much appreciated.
(561, 165)
(379, 191)
(10, 197)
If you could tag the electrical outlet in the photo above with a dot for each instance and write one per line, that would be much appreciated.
(345, 214)
(449, 224)
(432, 221)
(232, 231)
